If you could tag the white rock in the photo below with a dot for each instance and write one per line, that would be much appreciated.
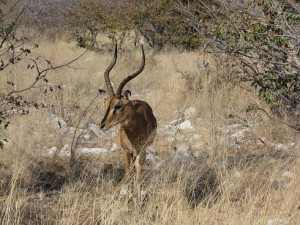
(280, 148)
(200, 154)
(234, 146)
(151, 150)
(197, 137)
(96, 130)
(280, 183)
(198, 145)
(188, 113)
(166, 130)
(72, 130)
(177, 122)
(65, 148)
(277, 221)
(171, 140)
(231, 127)
(238, 134)
(60, 123)
(6, 141)
(264, 139)
(86, 136)
(292, 144)
(143, 194)
(64, 151)
(52, 150)
(186, 125)
(112, 133)
(184, 150)
(287, 174)
(114, 147)
(94, 150)
(123, 190)
(150, 157)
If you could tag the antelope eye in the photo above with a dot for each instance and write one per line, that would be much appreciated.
(117, 106)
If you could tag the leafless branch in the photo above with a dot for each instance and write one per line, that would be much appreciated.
(41, 73)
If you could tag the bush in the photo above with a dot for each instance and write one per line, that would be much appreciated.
(263, 37)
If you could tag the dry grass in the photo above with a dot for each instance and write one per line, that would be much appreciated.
(228, 186)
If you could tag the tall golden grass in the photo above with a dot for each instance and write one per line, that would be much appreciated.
(228, 186)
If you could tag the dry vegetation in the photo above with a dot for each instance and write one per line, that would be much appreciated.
(226, 179)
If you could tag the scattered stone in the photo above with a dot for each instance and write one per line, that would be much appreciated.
(5, 142)
(177, 122)
(186, 125)
(96, 130)
(287, 174)
(86, 136)
(151, 155)
(184, 156)
(279, 183)
(65, 148)
(123, 191)
(237, 174)
(171, 140)
(280, 148)
(198, 145)
(72, 130)
(60, 123)
(239, 134)
(114, 147)
(166, 130)
(230, 128)
(277, 221)
(151, 150)
(284, 180)
(53, 150)
(264, 139)
(64, 151)
(190, 112)
(232, 142)
(234, 146)
(200, 154)
(292, 144)
(184, 150)
(94, 150)
(197, 136)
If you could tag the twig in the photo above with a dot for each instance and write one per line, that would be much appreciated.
(276, 120)
(42, 73)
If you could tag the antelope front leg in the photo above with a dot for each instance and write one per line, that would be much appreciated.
(128, 164)
(127, 157)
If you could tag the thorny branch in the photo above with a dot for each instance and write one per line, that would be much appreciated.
(12, 51)
(41, 73)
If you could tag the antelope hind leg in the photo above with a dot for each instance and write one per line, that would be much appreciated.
(137, 185)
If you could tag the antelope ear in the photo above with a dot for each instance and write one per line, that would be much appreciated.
(104, 93)
(127, 94)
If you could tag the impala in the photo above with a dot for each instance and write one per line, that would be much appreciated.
(134, 120)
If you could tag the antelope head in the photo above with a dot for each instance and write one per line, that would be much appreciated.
(120, 107)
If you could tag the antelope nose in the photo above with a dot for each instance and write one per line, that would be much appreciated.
(102, 125)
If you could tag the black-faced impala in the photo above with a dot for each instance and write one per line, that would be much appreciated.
(134, 121)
